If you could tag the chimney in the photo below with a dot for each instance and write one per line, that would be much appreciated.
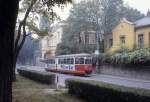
(148, 13)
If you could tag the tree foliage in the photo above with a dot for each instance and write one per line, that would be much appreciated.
(31, 8)
(96, 15)
(131, 14)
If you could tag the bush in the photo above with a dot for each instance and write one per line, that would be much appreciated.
(43, 77)
(139, 56)
(94, 91)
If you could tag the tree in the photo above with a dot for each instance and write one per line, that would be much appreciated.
(131, 14)
(88, 15)
(98, 15)
(33, 6)
(111, 14)
(8, 16)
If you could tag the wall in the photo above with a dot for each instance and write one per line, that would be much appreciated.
(124, 29)
(145, 31)
(91, 37)
(55, 39)
(106, 41)
(129, 72)
(49, 43)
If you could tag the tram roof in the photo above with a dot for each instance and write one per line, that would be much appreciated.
(75, 55)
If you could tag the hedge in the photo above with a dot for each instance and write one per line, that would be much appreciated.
(43, 77)
(93, 91)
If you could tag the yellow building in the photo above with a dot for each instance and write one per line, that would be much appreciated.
(129, 35)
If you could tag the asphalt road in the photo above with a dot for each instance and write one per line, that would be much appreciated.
(123, 81)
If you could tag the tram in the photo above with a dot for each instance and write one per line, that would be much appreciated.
(79, 64)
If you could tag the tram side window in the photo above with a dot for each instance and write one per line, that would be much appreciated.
(60, 61)
(88, 61)
(79, 61)
(65, 61)
(51, 61)
(70, 61)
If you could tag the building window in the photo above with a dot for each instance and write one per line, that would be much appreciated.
(86, 39)
(62, 8)
(47, 41)
(140, 40)
(110, 43)
(122, 40)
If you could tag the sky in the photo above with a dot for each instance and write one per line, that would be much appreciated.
(141, 5)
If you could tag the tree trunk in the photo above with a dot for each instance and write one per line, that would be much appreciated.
(8, 15)
(14, 69)
(18, 46)
(16, 53)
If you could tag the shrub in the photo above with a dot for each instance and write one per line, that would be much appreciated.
(122, 50)
(43, 77)
(139, 56)
(93, 91)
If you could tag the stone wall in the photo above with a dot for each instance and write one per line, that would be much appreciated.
(126, 71)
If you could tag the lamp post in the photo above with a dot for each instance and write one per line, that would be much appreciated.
(97, 52)
(57, 78)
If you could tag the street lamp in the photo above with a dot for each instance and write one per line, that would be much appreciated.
(97, 52)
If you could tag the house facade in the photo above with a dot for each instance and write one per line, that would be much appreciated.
(49, 43)
(86, 37)
(129, 35)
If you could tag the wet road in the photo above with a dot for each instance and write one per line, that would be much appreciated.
(109, 79)
(137, 83)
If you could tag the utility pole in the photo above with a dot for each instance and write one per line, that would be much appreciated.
(97, 51)
(57, 78)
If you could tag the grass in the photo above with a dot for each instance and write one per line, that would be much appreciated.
(25, 90)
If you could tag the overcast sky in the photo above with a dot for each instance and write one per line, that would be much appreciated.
(141, 5)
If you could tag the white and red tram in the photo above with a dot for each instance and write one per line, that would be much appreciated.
(79, 64)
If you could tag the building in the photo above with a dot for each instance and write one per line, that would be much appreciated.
(129, 35)
(49, 43)
(86, 37)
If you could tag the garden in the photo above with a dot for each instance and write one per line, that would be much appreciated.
(124, 56)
